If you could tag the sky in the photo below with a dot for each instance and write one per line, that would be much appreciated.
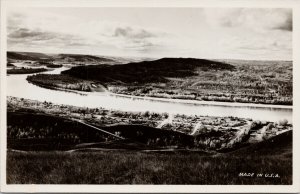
(215, 33)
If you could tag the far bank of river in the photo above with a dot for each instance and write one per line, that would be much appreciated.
(17, 86)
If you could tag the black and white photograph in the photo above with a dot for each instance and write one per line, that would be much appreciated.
(147, 95)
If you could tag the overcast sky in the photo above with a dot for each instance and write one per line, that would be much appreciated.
(228, 33)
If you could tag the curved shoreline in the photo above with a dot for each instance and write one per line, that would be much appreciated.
(171, 100)
(213, 103)
(174, 100)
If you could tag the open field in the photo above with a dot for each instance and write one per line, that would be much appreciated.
(132, 167)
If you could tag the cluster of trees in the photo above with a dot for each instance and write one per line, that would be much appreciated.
(46, 132)
(59, 131)
(10, 65)
(40, 126)
(60, 81)
(245, 90)
(25, 70)
(54, 66)
(139, 115)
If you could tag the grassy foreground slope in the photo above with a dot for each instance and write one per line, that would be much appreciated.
(131, 167)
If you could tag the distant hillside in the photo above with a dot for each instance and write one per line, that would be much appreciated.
(148, 71)
(68, 58)
(255, 62)
(27, 56)
(82, 58)
(10, 65)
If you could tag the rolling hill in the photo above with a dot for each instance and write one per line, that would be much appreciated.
(27, 56)
(66, 58)
(147, 71)
(82, 58)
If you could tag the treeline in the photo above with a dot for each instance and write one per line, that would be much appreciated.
(48, 64)
(54, 66)
(59, 81)
(10, 65)
(251, 96)
(31, 131)
(28, 131)
(24, 70)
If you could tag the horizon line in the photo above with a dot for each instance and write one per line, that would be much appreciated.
(107, 55)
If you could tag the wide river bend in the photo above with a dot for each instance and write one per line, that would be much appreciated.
(18, 86)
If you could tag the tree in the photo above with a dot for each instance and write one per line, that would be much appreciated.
(146, 114)
(283, 122)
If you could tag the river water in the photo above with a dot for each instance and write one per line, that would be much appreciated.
(17, 86)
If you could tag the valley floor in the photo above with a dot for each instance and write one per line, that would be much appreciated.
(47, 146)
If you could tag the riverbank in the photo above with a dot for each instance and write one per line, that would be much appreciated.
(229, 84)
(131, 103)
(62, 82)
(196, 79)
(202, 132)
(48, 138)
(215, 103)
(68, 84)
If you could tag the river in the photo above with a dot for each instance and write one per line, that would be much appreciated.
(18, 86)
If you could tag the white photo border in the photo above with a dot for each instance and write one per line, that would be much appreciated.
(295, 187)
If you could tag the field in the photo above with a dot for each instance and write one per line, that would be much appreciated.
(132, 167)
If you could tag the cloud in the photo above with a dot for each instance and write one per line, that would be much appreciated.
(34, 37)
(128, 32)
(25, 33)
(286, 22)
(33, 27)
(135, 38)
(251, 18)
(215, 33)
